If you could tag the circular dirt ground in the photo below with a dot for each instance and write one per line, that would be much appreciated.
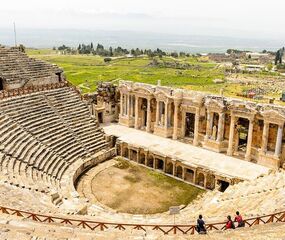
(130, 188)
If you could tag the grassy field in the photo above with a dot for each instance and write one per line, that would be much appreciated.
(86, 71)
(128, 187)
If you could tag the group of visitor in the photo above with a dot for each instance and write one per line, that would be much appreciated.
(230, 224)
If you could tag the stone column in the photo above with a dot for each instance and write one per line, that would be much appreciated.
(137, 113)
(131, 106)
(148, 118)
(196, 127)
(194, 176)
(121, 148)
(166, 115)
(121, 105)
(221, 127)
(145, 158)
(183, 173)
(208, 126)
(138, 156)
(183, 123)
(126, 104)
(265, 137)
(278, 145)
(173, 169)
(164, 165)
(205, 180)
(157, 113)
(175, 122)
(231, 137)
(249, 140)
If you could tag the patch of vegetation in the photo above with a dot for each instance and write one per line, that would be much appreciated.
(88, 70)
(122, 164)
(133, 178)
(186, 192)
(189, 72)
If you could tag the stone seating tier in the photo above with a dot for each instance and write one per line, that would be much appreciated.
(16, 66)
(40, 138)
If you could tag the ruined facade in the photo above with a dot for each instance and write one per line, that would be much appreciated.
(103, 103)
(246, 130)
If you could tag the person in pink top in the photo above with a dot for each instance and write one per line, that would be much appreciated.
(239, 220)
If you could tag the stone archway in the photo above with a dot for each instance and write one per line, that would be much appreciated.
(179, 172)
(169, 167)
(150, 161)
(159, 164)
(133, 155)
(125, 152)
(223, 185)
(200, 179)
(119, 150)
(210, 183)
(189, 175)
(142, 158)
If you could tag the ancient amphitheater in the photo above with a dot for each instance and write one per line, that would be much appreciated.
(51, 134)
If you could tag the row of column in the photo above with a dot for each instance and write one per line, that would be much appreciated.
(221, 127)
(130, 107)
(127, 104)
(278, 146)
(249, 137)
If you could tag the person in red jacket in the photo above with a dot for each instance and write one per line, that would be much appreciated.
(239, 220)
(230, 223)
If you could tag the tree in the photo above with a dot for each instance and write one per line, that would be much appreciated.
(182, 54)
(107, 59)
(111, 51)
(278, 56)
(22, 48)
(174, 54)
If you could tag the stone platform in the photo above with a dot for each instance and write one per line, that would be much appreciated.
(188, 154)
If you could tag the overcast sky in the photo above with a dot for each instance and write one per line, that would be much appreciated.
(245, 18)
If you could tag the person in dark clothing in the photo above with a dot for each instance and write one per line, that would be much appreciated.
(239, 220)
(230, 223)
(201, 228)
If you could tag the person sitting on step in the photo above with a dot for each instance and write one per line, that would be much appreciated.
(239, 220)
(230, 224)
(201, 228)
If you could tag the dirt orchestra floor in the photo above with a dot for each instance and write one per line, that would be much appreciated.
(130, 188)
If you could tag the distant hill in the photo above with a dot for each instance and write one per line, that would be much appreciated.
(47, 38)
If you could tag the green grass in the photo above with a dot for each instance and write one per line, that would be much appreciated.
(87, 70)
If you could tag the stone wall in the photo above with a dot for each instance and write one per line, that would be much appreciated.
(244, 129)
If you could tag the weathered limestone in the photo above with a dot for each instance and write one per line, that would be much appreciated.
(249, 140)
(215, 122)
(182, 155)
(17, 70)
(175, 124)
